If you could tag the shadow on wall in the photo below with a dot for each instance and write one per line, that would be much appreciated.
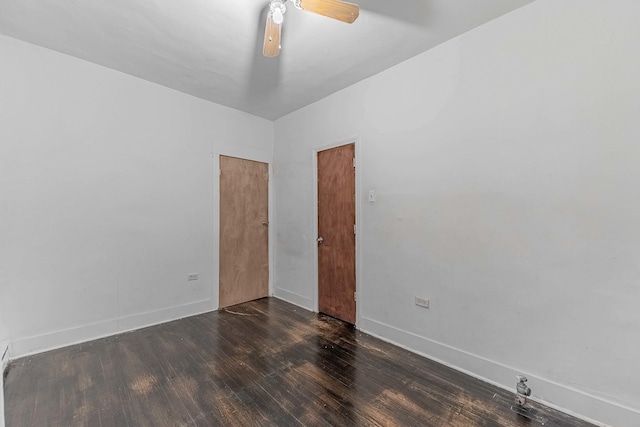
(265, 72)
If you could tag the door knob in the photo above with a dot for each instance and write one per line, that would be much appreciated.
(320, 240)
(265, 223)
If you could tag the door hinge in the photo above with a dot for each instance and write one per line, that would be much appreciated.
(355, 296)
(354, 162)
(354, 229)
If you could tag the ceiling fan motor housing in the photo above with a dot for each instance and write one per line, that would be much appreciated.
(277, 7)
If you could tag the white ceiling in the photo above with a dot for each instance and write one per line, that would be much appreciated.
(212, 49)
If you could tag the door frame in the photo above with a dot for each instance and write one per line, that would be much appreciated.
(358, 154)
(247, 154)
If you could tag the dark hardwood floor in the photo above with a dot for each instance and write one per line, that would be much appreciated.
(261, 363)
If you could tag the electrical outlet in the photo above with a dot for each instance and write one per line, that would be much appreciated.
(192, 276)
(422, 302)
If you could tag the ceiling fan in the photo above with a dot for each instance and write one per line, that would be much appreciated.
(336, 9)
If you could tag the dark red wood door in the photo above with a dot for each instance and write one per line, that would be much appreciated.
(336, 227)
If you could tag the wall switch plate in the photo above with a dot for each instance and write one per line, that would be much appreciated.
(422, 302)
(372, 196)
(192, 276)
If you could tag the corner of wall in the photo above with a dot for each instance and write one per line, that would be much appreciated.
(4, 355)
(293, 298)
(4, 360)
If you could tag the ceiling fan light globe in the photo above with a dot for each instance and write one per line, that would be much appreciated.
(277, 16)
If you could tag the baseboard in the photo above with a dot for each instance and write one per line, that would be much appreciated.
(567, 399)
(293, 298)
(4, 360)
(37, 344)
(2, 401)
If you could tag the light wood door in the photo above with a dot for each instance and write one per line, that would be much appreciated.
(244, 230)
(336, 228)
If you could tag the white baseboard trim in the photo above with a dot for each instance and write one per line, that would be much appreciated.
(40, 343)
(293, 298)
(4, 361)
(2, 389)
(583, 405)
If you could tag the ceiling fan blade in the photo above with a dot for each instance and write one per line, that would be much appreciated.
(336, 9)
(272, 33)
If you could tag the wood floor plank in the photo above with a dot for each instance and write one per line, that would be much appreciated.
(262, 363)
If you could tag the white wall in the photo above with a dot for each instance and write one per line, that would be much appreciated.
(506, 164)
(109, 192)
